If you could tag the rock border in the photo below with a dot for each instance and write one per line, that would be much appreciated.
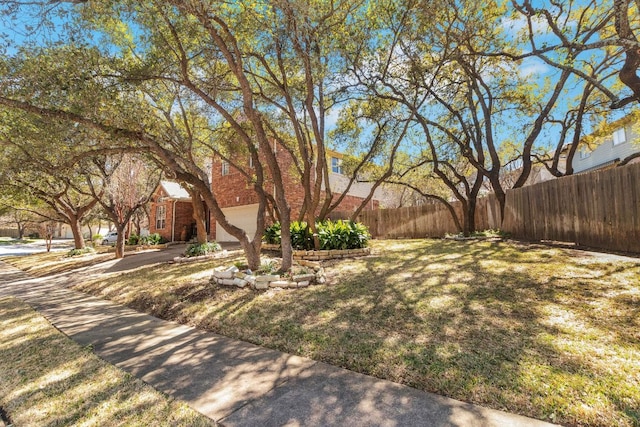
(232, 276)
(330, 254)
(321, 255)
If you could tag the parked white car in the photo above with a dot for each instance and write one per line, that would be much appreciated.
(110, 238)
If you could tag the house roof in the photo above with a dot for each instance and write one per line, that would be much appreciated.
(174, 190)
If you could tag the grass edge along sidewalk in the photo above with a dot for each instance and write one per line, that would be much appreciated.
(49, 379)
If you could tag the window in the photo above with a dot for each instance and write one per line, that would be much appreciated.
(225, 168)
(336, 165)
(161, 216)
(619, 136)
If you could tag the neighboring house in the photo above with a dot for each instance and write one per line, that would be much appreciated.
(607, 151)
(172, 212)
(597, 151)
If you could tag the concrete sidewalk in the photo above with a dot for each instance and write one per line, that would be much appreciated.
(233, 382)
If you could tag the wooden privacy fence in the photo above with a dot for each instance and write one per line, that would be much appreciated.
(433, 220)
(598, 209)
(9, 232)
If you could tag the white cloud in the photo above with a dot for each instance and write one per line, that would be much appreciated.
(514, 25)
(533, 67)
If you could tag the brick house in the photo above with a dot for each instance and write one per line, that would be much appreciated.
(172, 212)
(239, 201)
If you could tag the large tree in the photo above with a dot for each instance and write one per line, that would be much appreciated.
(35, 163)
(122, 185)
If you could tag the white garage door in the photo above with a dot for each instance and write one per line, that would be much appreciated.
(241, 216)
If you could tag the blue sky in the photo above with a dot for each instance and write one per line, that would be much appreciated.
(24, 29)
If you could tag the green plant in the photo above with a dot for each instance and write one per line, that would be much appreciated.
(133, 239)
(268, 266)
(198, 249)
(80, 252)
(342, 235)
(152, 239)
(241, 265)
(332, 235)
(359, 235)
(272, 234)
(301, 237)
(97, 237)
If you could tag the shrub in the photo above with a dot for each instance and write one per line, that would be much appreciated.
(268, 266)
(151, 239)
(198, 249)
(133, 239)
(80, 252)
(332, 235)
(342, 235)
(301, 237)
(272, 234)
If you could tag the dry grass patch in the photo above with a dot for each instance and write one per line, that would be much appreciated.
(49, 263)
(528, 329)
(47, 379)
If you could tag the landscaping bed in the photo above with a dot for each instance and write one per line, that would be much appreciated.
(302, 274)
(528, 329)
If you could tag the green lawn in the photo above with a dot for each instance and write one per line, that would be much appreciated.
(5, 241)
(543, 332)
(47, 379)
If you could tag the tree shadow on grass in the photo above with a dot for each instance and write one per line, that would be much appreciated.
(472, 330)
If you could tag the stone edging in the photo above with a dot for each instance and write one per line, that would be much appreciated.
(232, 276)
(331, 254)
(270, 247)
(321, 255)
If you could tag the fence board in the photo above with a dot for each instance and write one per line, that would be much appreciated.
(599, 209)
(9, 232)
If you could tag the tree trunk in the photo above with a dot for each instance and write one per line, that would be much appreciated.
(311, 221)
(120, 242)
(251, 253)
(76, 229)
(199, 215)
(90, 233)
(470, 218)
(502, 200)
(285, 241)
